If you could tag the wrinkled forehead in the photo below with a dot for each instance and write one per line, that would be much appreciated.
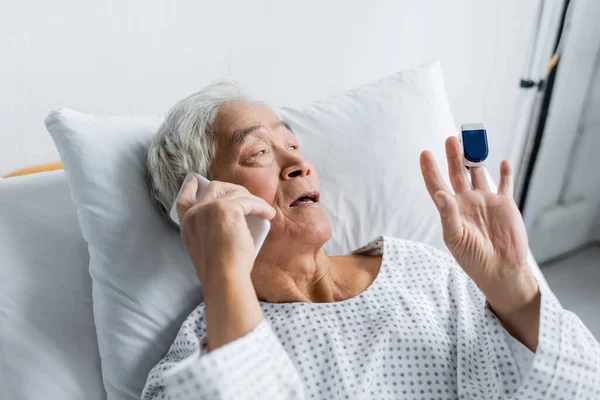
(237, 116)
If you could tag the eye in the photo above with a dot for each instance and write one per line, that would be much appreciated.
(260, 153)
(294, 147)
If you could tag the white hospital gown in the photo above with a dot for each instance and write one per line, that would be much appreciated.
(422, 330)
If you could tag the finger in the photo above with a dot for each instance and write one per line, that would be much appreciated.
(217, 189)
(456, 166)
(478, 179)
(450, 215)
(229, 191)
(431, 174)
(187, 197)
(506, 186)
(252, 205)
(236, 195)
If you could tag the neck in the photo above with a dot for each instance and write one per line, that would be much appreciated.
(282, 274)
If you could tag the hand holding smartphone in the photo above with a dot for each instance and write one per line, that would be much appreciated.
(259, 227)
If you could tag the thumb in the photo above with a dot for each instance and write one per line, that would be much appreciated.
(448, 209)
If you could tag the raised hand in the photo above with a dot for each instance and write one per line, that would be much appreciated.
(484, 231)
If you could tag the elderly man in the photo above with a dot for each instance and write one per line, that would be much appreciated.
(393, 319)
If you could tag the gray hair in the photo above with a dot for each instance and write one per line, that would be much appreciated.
(186, 141)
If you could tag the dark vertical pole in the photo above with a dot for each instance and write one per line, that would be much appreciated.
(539, 133)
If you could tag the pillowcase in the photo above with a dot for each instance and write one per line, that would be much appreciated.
(365, 144)
(143, 282)
(48, 346)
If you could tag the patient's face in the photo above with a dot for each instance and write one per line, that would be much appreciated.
(258, 151)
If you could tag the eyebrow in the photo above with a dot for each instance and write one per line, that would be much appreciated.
(240, 136)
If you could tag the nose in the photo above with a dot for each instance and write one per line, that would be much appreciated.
(298, 168)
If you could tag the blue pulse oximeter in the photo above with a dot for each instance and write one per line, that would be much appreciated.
(473, 138)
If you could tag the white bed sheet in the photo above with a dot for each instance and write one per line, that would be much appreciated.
(48, 345)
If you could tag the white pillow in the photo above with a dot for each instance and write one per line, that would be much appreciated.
(48, 346)
(365, 145)
(143, 282)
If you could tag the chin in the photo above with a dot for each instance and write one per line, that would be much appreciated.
(320, 232)
(314, 231)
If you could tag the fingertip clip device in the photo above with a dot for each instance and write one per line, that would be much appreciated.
(474, 142)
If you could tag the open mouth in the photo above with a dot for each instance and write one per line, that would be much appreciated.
(306, 199)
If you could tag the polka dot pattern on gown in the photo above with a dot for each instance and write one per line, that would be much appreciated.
(422, 330)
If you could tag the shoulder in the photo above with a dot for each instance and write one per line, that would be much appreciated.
(378, 244)
(408, 258)
(403, 251)
(410, 249)
(418, 264)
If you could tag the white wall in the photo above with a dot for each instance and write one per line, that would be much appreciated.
(586, 174)
(592, 122)
(595, 236)
(140, 56)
